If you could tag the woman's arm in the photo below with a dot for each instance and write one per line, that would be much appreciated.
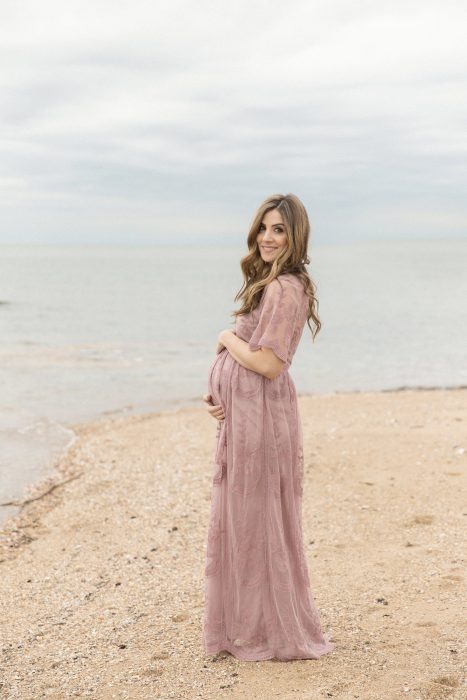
(263, 361)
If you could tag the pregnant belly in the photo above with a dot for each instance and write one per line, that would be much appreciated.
(229, 380)
(219, 377)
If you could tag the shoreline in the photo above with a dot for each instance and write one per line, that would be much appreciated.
(33, 490)
(17, 495)
(104, 573)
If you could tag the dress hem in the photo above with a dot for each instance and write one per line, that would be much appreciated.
(327, 647)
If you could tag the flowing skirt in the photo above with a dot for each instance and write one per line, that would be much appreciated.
(258, 602)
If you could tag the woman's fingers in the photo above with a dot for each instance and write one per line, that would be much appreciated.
(215, 410)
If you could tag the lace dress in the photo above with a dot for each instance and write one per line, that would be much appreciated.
(258, 603)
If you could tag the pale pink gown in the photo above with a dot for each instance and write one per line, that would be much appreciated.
(258, 603)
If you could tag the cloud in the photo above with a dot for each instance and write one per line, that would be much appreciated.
(181, 117)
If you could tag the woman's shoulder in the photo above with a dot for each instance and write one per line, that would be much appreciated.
(286, 286)
(289, 276)
(284, 280)
(288, 280)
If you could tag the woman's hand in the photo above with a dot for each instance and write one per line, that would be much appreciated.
(221, 339)
(215, 410)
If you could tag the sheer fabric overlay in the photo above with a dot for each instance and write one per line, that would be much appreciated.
(258, 601)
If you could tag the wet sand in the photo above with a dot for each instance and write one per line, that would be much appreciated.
(101, 578)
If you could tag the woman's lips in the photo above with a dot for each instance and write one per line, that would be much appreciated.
(269, 247)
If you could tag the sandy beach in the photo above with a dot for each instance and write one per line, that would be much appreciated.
(101, 576)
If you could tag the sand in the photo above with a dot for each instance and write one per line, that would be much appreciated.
(101, 579)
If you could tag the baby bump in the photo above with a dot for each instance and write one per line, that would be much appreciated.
(229, 381)
(226, 376)
(218, 378)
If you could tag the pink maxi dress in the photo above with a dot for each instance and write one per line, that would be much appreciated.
(258, 603)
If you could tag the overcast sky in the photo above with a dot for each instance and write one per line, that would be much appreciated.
(150, 122)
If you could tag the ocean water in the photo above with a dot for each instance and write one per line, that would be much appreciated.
(94, 331)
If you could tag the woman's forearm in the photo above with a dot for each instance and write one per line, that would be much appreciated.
(256, 360)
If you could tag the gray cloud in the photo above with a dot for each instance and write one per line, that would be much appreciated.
(151, 122)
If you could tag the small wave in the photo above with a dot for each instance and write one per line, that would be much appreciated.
(31, 447)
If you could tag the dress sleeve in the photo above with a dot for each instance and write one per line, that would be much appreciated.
(277, 319)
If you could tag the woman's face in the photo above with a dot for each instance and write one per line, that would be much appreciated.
(271, 237)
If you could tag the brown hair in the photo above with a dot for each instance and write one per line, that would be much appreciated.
(293, 258)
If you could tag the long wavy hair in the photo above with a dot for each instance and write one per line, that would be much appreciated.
(293, 258)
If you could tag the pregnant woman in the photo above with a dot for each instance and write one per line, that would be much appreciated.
(258, 601)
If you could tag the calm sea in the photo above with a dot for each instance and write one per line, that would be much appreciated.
(88, 332)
